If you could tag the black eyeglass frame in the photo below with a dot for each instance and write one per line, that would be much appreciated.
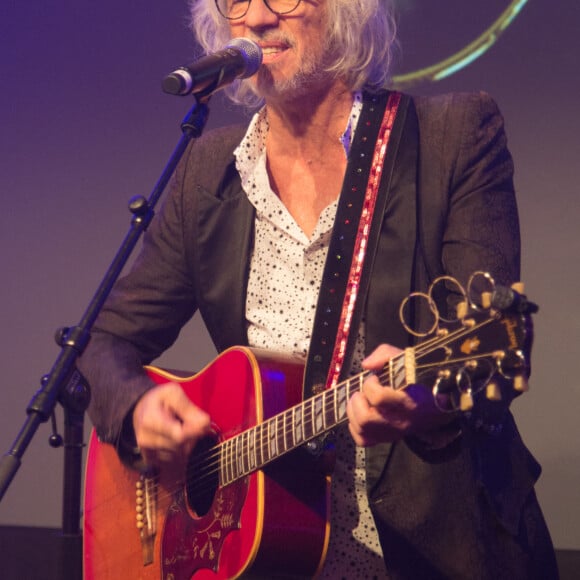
(217, 3)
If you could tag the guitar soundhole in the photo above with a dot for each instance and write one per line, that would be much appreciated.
(202, 476)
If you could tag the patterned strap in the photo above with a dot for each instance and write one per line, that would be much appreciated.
(354, 238)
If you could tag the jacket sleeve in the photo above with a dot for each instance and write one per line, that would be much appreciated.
(141, 318)
(148, 307)
(480, 232)
(478, 490)
(482, 228)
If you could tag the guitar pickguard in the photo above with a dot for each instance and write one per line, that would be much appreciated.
(191, 543)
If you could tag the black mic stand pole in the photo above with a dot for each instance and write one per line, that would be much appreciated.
(64, 383)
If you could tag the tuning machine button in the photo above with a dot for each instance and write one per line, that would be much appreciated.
(521, 384)
(493, 392)
(466, 401)
(462, 309)
(486, 299)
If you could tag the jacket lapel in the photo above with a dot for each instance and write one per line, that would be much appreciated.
(223, 265)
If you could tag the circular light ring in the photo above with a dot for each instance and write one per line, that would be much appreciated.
(465, 56)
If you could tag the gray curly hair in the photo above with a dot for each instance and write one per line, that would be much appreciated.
(362, 31)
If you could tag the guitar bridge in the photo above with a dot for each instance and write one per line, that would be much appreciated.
(146, 513)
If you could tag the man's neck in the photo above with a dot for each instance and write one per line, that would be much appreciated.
(308, 125)
(305, 156)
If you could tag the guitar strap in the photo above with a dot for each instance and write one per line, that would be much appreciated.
(354, 239)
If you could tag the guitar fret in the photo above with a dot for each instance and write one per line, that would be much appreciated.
(245, 460)
(279, 434)
(264, 443)
(252, 459)
(341, 400)
(239, 461)
(307, 424)
(318, 415)
(227, 462)
(231, 472)
(313, 417)
(297, 430)
(273, 443)
(282, 434)
(289, 429)
(328, 408)
(221, 465)
(260, 442)
(267, 442)
(227, 477)
(344, 397)
(397, 372)
(240, 454)
(232, 459)
(246, 447)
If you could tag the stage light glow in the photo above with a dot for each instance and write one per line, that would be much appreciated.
(466, 55)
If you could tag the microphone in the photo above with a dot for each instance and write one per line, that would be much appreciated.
(240, 59)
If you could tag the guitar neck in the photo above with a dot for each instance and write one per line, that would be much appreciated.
(460, 356)
(256, 447)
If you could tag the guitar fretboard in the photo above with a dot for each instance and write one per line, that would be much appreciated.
(262, 444)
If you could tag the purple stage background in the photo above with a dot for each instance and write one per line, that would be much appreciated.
(84, 126)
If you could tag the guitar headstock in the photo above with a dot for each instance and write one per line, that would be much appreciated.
(480, 349)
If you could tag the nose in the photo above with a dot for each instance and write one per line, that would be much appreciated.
(259, 15)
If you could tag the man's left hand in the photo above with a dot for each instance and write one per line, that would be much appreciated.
(380, 414)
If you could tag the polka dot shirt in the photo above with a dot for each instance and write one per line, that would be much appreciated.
(285, 277)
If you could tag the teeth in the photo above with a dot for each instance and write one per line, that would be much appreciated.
(271, 50)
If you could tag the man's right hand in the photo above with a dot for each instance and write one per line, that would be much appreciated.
(167, 425)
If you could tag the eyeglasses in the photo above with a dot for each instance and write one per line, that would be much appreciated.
(234, 9)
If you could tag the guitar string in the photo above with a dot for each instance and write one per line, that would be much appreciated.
(225, 460)
(329, 405)
(211, 460)
(168, 491)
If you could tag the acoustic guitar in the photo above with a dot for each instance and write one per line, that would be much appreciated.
(253, 499)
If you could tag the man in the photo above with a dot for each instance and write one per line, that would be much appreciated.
(244, 236)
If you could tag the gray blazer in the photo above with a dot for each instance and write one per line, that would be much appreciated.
(468, 511)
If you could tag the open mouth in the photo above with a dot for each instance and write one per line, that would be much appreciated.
(271, 52)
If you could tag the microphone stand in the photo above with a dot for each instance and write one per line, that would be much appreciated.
(64, 383)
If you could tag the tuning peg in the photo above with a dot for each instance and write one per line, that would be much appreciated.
(518, 287)
(466, 401)
(521, 384)
(493, 392)
(486, 299)
(462, 308)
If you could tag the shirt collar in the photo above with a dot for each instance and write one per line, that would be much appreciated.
(253, 145)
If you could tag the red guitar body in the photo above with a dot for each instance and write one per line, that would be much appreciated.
(251, 500)
(272, 521)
